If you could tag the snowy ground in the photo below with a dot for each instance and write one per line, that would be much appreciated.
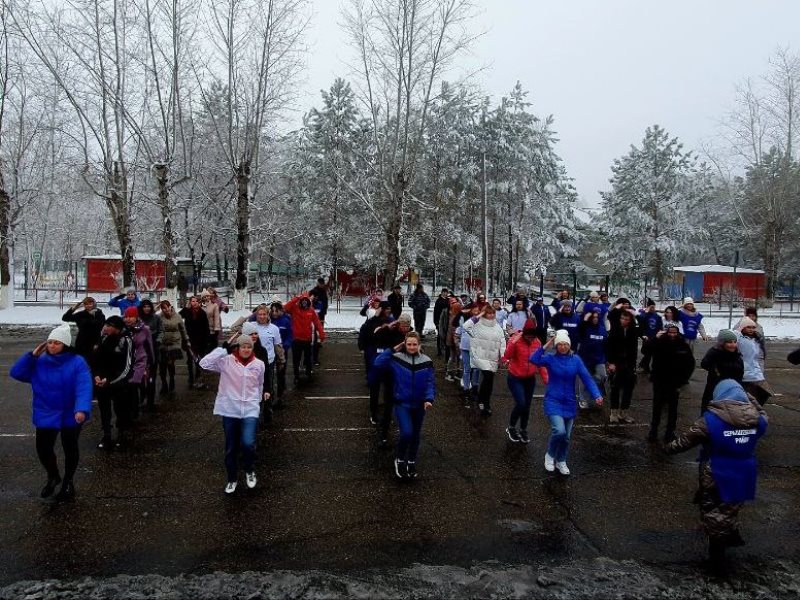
(785, 326)
(601, 578)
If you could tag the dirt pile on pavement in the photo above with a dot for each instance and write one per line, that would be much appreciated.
(600, 578)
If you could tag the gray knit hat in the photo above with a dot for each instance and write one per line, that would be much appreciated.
(726, 335)
(249, 327)
(244, 340)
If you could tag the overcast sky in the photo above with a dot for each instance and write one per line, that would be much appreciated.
(606, 69)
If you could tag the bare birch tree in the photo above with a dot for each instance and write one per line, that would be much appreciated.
(403, 47)
(84, 46)
(256, 58)
(6, 283)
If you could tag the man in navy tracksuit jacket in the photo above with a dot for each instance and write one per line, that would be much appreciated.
(650, 323)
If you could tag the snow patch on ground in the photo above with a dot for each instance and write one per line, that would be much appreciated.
(598, 578)
(778, 327)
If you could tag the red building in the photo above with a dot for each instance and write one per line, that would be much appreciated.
(104, 273)
(708, 281)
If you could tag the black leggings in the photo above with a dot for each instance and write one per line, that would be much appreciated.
(45, 448)
(301, 353)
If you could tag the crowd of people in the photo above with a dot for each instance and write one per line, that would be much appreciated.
(583, 351)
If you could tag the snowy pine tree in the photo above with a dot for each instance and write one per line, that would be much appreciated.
(649, 217)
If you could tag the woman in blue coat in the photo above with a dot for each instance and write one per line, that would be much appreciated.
(414, 391)
(560, 405)
(62, 402)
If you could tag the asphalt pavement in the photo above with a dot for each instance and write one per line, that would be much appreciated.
(327, 498)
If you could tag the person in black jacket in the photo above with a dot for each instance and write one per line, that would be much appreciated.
(722, 361)
(673, 364)
(442, 304)
(112, 363)
(419, 302)
(396, 301)
(622, 349)
(368, 344)
(197, 331)
(90, 321)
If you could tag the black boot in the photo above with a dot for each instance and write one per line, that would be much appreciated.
(716, 557)
(50, 486)
(66, 493)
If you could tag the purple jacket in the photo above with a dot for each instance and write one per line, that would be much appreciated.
(143, 354)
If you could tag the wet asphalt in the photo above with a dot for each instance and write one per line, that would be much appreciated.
(327, 498)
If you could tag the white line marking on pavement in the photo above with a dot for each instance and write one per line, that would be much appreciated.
(612, 426)
(15, 435)
(323, 429)
(337, 397)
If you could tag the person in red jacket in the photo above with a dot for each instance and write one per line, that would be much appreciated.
(305, 322)
(522, 378)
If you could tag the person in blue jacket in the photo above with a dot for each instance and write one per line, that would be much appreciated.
(592, 351)
(283, 322)
(566, 318)
(62, 402)
(650, 325)
(728, 431)
(692, 322)
(560, 406)
(125, 300)
(541, 313)
(414, 391)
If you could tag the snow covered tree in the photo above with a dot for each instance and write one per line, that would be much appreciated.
(403, 48)
(649, 217)
(325, 167)
(531, 197)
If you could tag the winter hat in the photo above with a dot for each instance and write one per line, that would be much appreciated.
(130, 290)
(244, 340)
(565, 304)
(384, 304)
(688, 300)
(594, 295)
(131, 311)
(725, 335)
(116, 322)
(746, 322)
(249, 327)
(562, 337)
(62, 334)
(404, 318)
(530, 327)
(669, 324)
(730, 389)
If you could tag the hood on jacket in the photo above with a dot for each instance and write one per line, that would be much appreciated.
(730, 389)
(732, 404)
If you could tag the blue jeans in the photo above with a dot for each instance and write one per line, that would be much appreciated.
(469, 379)
(409, 420)
(560, 434)
(240, 434)
(522, 392)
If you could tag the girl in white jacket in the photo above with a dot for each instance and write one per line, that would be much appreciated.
(487, 346)
(238, 402)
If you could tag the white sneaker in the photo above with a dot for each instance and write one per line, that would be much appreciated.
(549, 463)
(230, 487)
(251, 480)
(562, 468)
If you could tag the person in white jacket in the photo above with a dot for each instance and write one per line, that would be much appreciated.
(238, 402)
(487, 346)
